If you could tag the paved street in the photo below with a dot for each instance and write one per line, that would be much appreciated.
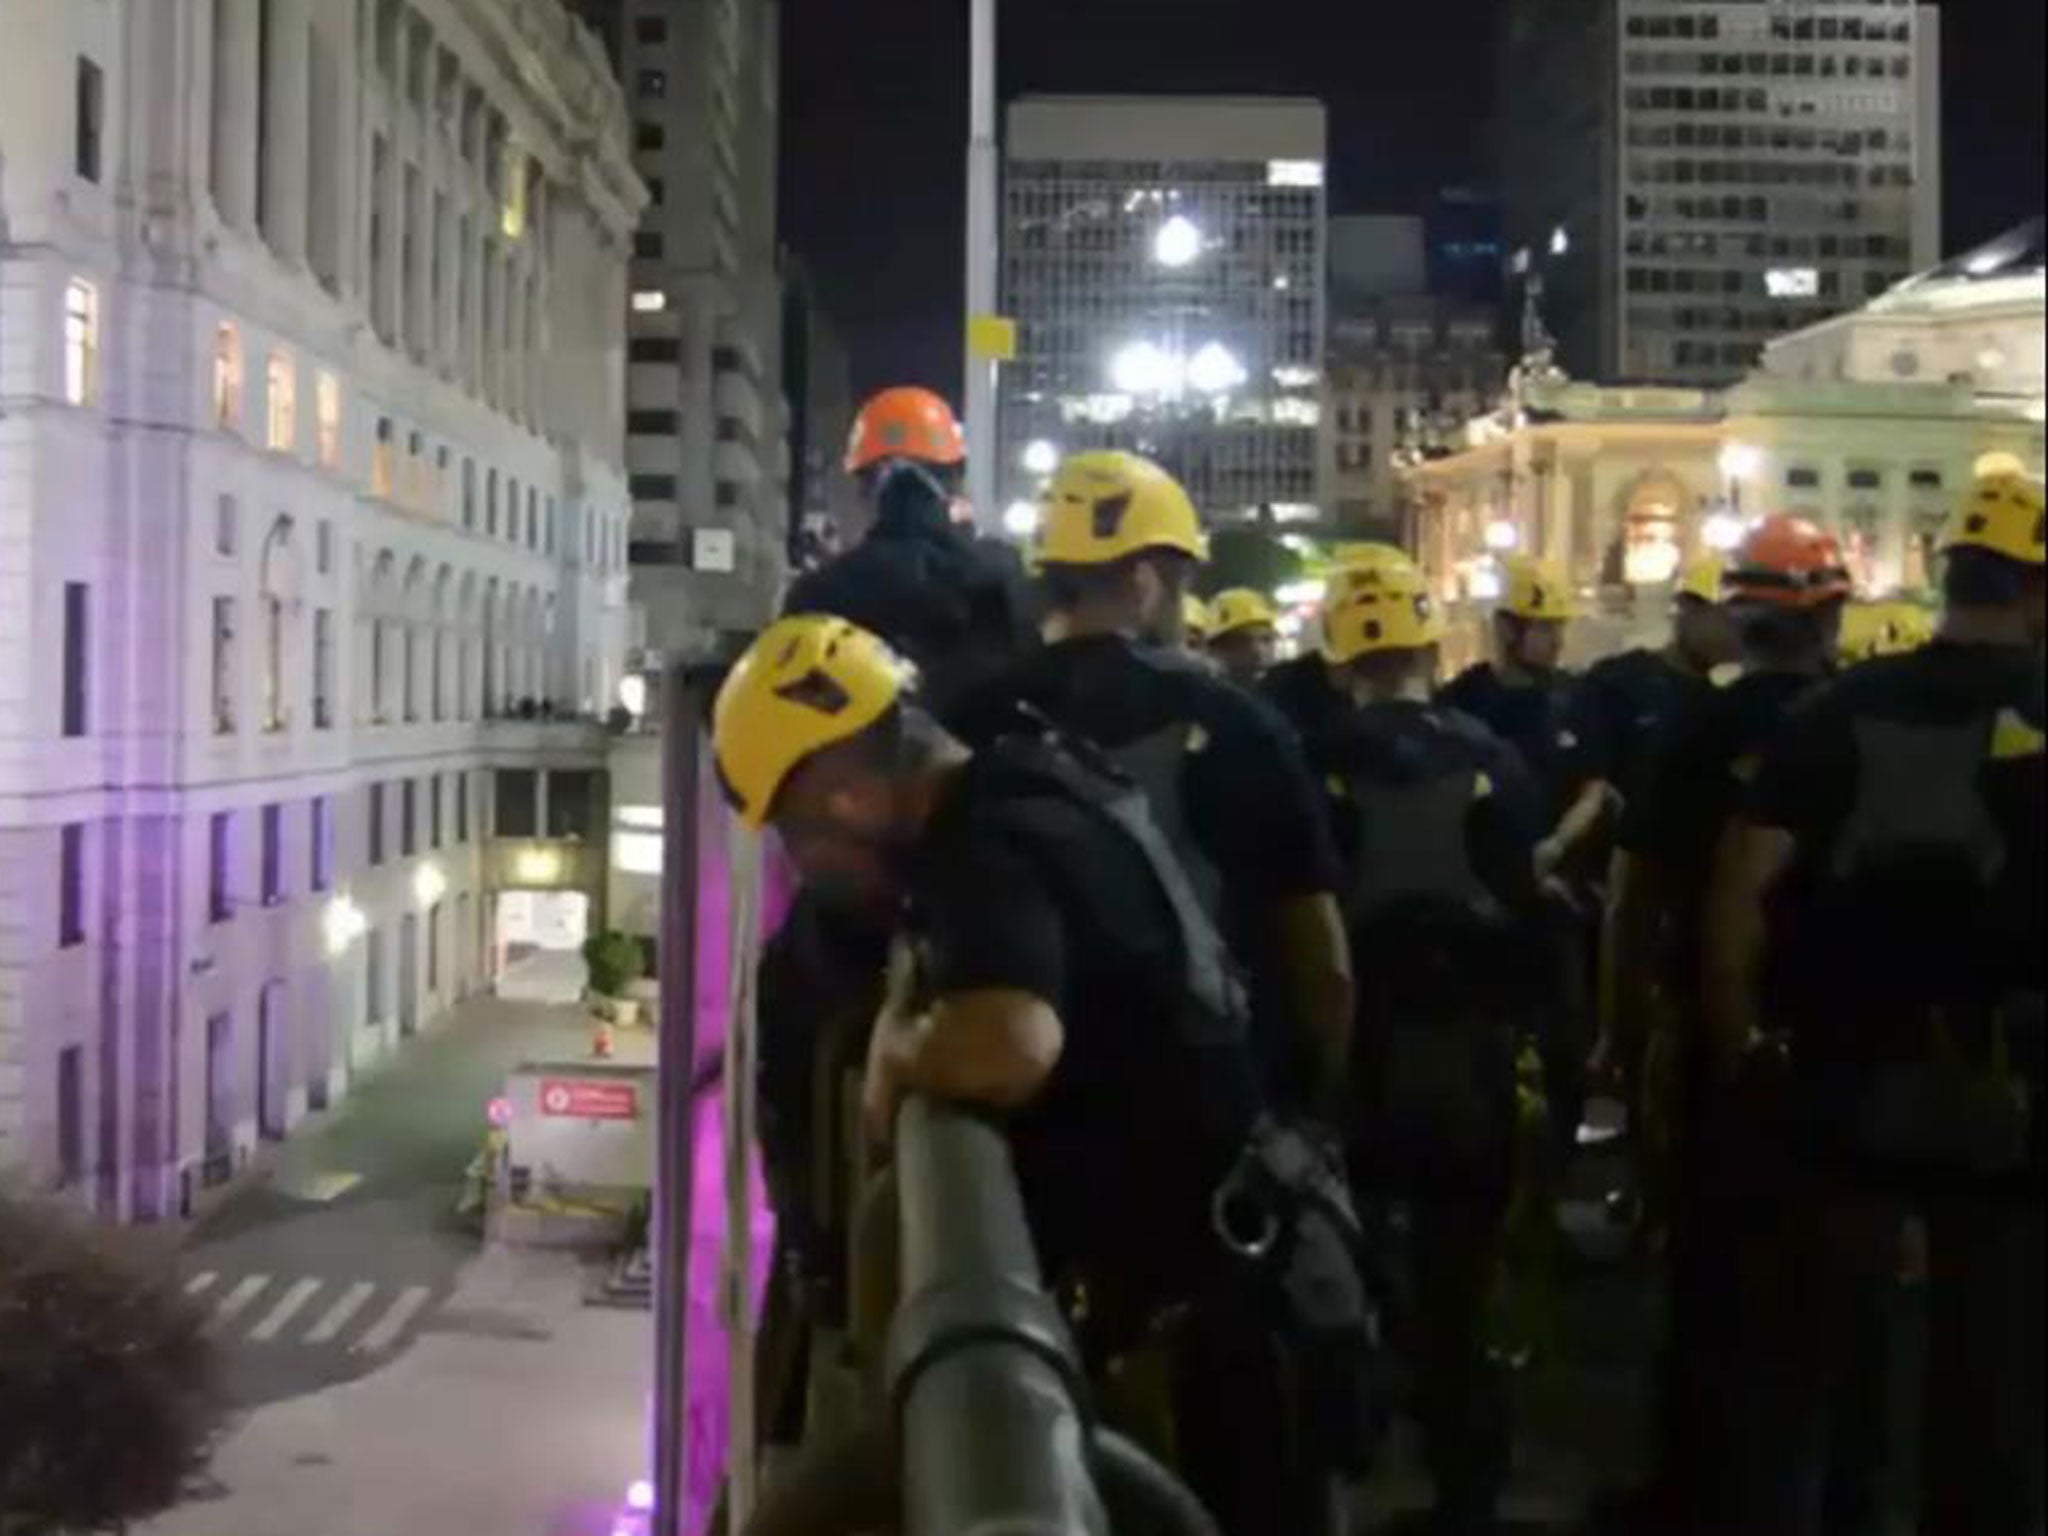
(396, 1378)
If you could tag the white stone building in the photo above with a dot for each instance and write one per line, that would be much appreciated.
(313, 521)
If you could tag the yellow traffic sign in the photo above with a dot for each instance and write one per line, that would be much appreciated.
(992, 338)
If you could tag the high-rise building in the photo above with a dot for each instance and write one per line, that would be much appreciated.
(1164, 260)
(313, 522)
(706, 422)
(1688, 178)
(824, 508)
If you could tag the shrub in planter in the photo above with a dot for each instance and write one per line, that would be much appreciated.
(613, 960)
(109, 1398)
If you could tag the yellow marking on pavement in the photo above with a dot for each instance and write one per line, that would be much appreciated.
(338, 1315)
(237, 1300)
(385, 1331)
(273, 1323)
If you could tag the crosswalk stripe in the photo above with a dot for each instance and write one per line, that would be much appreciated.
(273, 1324)
(200, 1282)
(385, 1331)
(337, 1316)
(237, 1300)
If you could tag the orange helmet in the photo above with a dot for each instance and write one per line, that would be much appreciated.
(1787, 562)
(905, 423)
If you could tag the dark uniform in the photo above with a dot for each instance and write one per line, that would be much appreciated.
(1906, 960)
(1437, 820)
(1153, 1096)
(1307, 696)
(1536, 719)
(1620, 710)
(1226, 784)
(1727, 1173)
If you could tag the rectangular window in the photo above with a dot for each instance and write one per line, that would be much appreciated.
(323, 548)
(469, 493)
(283, 379)
(649, 136)
(226, 515)
(219, 850)
(70, 1115)
(71, 886)
(320, 842)
(518, 803)
(92, 107)
(223, 665)
(77, 675)
(374, 853)
(81, 341)
(323, 669)
(227, 377)
(652, 487)
(384, 460)
(647, 244)
(654, 349)
(273, 855)
(408, 819)
(651, 29)
(327, 410)
(461, 808)
(434, 811)
(654, 423)
(491, 503)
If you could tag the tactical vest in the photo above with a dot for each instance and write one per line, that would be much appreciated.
(1158, 765)
(1411, 847)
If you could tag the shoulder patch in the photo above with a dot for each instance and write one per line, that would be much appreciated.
(2012, 737)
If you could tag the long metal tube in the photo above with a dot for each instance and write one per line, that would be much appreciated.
(981, 262)
(980, 1363)
(674, 1173)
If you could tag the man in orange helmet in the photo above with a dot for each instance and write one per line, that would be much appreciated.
(1784, 591)
(957, 606)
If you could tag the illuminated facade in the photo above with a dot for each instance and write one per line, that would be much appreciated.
(1164, 260)
(313, 516)
(1690, 178)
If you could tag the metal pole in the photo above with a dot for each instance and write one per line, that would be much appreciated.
(681, 778)
(737, 1290)
(979, 1357)
(981, 263)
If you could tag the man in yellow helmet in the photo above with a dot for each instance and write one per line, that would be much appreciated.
(1244, 634)
(1437, 820)
(1065, 980)
(1119, 542)
(1303, 688)
(1880, 900)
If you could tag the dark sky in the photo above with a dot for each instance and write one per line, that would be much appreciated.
(875, 123)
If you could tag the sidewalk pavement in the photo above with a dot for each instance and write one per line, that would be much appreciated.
(520, 1413)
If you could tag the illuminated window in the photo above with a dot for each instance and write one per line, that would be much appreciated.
(81, 341)
(649, 301)
(514, 220)
(327, 419)
(223, 665)
(284, 403)
(383, 461)
(227, 377)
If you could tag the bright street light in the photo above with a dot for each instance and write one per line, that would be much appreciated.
(1020, 519)
(1177, 243)
(1214, 368)
(1141, 368)
(1560, 241)
(633, 694)
(1041, 457)
(1501, 534)
(1721, 531)
(342, 923)
(1741, 461)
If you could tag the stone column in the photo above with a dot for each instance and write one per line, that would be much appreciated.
(237, 61)
(287, 102)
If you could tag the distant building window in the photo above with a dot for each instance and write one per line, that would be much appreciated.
(226, 519)
(219, 851)
(1865, 479)
(647, 244)
(461, 808)
(273, 855)
(223, 665)
(81, 341)
(434, 811)
(71, 886)
(653, 423)
(92, 107)
(323, 669)
(374, 850)
(227, 376)
(384, 460)
(469, 493)
(70, 1115)
(653, 83)
(320, 842)
(323, 547)
(651, 29)
(656, 191)
(327, 408)
(408, 819)
(518, 803)
(654, 349)
(649, 136)
(1925, 479)
(1802, 478)
(77, 664)
(652, 487)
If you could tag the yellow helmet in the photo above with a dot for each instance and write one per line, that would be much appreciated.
(1383, 608)
(808, 682)
(1194, 617)
(1701, 578)
(1240, 608)
(2003, 514)
(1357, 562)
(1882, 629)
(1103, 506)
(1536, 589)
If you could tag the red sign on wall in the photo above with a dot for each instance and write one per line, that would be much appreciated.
(574, 1098)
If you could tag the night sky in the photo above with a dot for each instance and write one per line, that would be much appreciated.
(874, 98)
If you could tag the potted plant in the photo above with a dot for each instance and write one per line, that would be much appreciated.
(613, 961)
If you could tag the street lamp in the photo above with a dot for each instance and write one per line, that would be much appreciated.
(1041, 457)
(1501, 535)
(1020, 519)
(1721, 531)
(1177, 243)
(1141, 368)
(1215, 369)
